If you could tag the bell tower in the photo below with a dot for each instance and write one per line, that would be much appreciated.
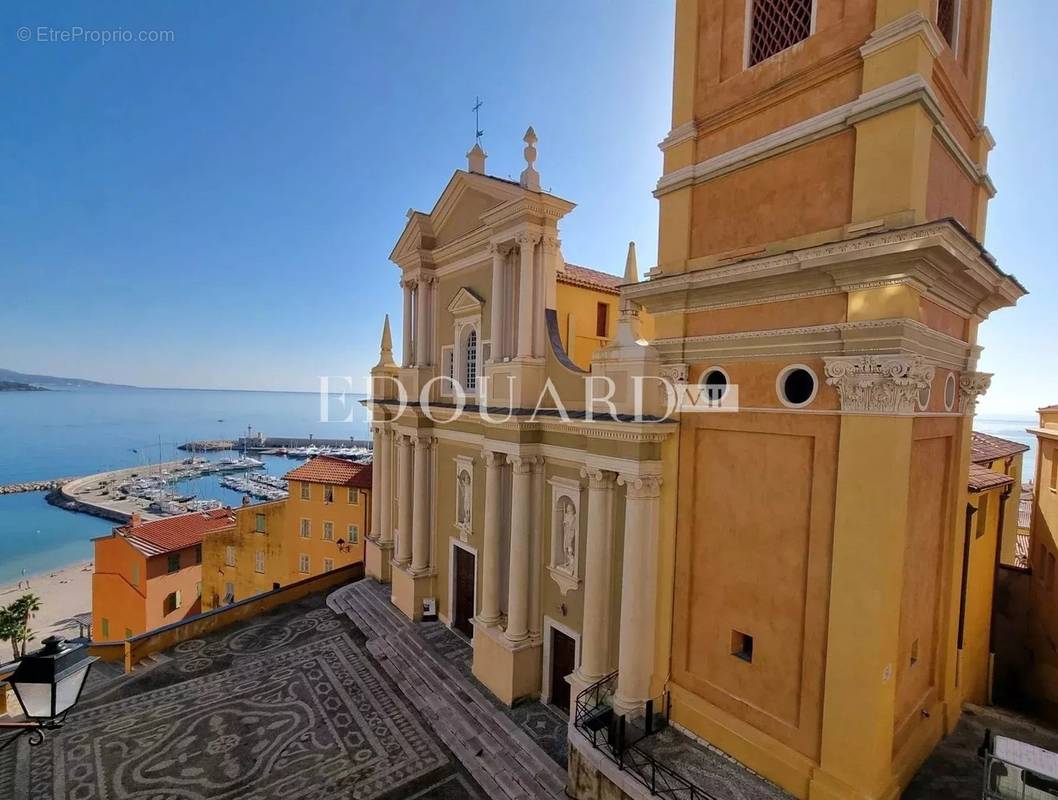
(822, 206)
(796, 122)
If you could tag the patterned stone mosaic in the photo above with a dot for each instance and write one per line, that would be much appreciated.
(287, 706)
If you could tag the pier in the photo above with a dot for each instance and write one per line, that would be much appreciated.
(34, 486)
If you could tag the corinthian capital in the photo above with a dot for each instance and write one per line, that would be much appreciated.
(878, 384)
(971, 386)
(527, 238)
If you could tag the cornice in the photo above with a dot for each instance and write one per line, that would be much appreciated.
(911, 24)
(938, 259)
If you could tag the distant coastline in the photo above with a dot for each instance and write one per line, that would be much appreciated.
(15, 386)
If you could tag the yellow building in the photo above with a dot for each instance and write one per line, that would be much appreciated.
(788, 570)
(318, 528)
(1043, 555)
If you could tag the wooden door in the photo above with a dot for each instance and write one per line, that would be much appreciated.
(464, 592)
(563, 662)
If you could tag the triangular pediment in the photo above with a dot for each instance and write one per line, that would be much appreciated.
(456, 213)
(465, 303)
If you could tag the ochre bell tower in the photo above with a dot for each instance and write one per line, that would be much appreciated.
(822, 208)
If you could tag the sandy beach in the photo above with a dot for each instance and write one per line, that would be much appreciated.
(63, 593)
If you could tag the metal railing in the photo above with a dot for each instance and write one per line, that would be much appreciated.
(620, 739)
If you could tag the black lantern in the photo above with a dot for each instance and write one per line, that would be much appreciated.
(48, 683)
(343, 546)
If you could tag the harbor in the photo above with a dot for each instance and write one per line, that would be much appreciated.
(288, 446)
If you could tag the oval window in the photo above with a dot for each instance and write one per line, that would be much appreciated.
(715, 382)
(923, 397)
(797, 386)
(949, 392)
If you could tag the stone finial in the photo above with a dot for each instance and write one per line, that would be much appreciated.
(476, 159)
(631, 269)
(530, 178)
(385, 350)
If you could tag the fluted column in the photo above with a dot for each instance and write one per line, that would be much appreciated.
(422, 323)
(518, 588)
(376, 482)
(598, 569)
(536, 496)
(492, 560)
(406, 345)
(526, 245)
(384, 502)
(499, 259)
(404, 500)
(638, 586)
(420, 537)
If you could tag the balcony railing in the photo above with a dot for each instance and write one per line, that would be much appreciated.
(621, 739)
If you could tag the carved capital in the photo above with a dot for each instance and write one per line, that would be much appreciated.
(641, 487)
(521, 465)
(550, 244)
(527, 238)
(676, 373)
(421, 441)
(971, 386)
(598, 478)
(878, 384)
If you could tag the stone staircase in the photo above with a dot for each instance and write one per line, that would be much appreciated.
(503, 759)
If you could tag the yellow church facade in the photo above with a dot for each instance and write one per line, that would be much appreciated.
(785, 573)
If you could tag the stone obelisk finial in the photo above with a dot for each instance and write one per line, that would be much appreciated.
(530, 177)
(476, 159)
(631, 270)
(385, 350)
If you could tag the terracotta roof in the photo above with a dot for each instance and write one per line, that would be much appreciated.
(175, 533)
(590, 279)
(1028, 497)
(982, 479)
(985, 448)
(335, 471)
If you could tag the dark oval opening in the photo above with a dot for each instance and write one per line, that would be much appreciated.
(715, 383)
(798, 386)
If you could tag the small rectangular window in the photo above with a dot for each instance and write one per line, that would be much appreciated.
(304, 490)
(306, 528)
(776, 25)
(1054, 468)
(259, 561)
(602, 318)
(742, 646)
(328, 494)
(354, 495)
(328, 531)
(328, 564)
(303, 563)
(354, 534)
(260, 523)
(229, 593)
(135, 574)
(229, 555)
(104, 626)
(914, 652)
(174, 563)
(178, 599)
(198, 589)
(198, 554)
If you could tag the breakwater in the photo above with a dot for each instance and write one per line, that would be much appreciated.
(34, 486)
(258, 443)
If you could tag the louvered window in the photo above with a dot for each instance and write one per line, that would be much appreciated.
(776, 25)
(946, 11)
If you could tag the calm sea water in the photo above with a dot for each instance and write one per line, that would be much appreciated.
(57, 434)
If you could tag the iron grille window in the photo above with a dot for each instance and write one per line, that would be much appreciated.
(776, 25)
(946, 20)
(471, 382)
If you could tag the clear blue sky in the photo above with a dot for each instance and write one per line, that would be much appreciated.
(217, 211)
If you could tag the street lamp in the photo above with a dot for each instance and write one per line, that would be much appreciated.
(343, 546)
(48, 683)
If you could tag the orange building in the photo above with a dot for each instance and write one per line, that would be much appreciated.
(318, 528)
(149, 574)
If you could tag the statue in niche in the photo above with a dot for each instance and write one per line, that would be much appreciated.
(569, 536)
(463, 499)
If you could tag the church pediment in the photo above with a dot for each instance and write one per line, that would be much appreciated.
(465, 303)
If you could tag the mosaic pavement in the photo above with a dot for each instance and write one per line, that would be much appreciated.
(287, 705)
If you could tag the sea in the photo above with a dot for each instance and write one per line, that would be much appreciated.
(66, 433)
(55, 434)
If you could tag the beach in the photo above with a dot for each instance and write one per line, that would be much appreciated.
(63, 593)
